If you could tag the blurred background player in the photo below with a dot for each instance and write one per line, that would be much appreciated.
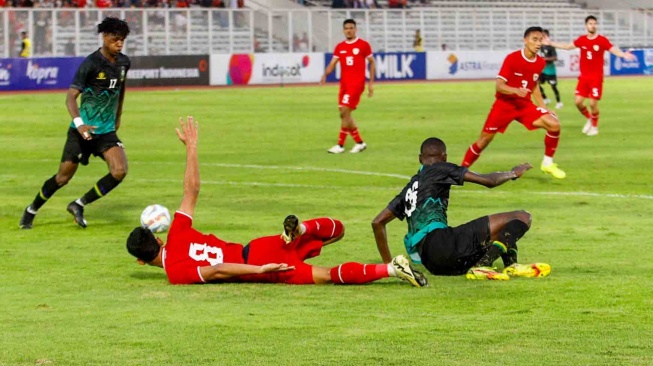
(100, 79)
(549, 73)
(590, 81)
(191, 257)
(517, 79)
(25, 46)
(470, 248)
(352, 54)
(418, 41)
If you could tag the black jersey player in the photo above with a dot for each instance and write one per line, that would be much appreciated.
(100, 80)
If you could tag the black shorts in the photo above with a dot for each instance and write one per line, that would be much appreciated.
(79, 150)
(551, 79)
(454, 250)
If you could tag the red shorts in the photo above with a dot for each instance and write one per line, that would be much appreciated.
(590, 88)
(350, 95)
(503, 112)
(272, 249)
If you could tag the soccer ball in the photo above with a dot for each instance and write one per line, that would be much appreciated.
(155, 218)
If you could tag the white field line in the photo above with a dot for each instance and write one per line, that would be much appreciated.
(346, 171)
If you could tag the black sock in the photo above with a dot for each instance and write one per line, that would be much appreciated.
(101, 188)
(555, 91)
(511, 233)
(542, 91)
(496, 250)
(49, 188)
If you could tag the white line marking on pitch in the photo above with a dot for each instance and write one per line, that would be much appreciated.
(345, 171)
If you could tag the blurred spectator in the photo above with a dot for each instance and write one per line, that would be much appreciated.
(444, 47)
(397, 4)
(338, 4)
(69, 49)
(103, 3)
(417, 42)
(41, 26)
(25, 45)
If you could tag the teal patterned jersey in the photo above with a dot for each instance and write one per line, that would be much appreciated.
(423, 202)
(100, 83)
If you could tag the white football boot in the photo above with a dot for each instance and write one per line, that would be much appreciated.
(358, 148)
(337, 149)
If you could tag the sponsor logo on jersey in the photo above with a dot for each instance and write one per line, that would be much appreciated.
(343, 51)
(101, 76)
(518, 74)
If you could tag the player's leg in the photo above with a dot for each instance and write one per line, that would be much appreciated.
(594, 107)
(475, 149)
(116, 160)
(66, 172)
(353, 128)
(583, 92)
(344, 97)
(553, 81)
(352, 273)
(500, 116)
(549, 122)
(542, 80)
(72, 150)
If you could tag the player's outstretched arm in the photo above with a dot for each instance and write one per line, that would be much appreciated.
(329, 69)
(496, 179)
(625, 55)
(380, 234)
(188, 136)
(563, 46)
(227, 270)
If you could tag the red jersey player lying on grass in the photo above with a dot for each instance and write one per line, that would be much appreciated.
(192, 257)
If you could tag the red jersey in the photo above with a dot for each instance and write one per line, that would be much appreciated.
(353, 56)
(520, 72)
(187, 250)
(591, 55)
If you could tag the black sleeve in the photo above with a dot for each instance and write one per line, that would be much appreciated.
(457, 174)
(552, 52)
(444, 173)
(397, 207)
(80, 81)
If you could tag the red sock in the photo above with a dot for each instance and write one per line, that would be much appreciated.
(324, 228)
(551, 143)
(358, 273)
(595, 120)
(585, 112)
(472, 154)
(357, 137)
(342, 137)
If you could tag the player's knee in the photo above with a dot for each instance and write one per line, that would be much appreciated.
(119, 173)
(63, 179)
(524, 216)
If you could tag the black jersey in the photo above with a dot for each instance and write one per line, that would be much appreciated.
(100, 82)
(424, 201)
(549, 51)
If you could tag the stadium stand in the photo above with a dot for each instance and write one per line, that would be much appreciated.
(286, 26)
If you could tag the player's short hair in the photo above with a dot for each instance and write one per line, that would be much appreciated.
(348, 21)
(530, 30)
(142, 244)
(433, 143)
(23, 33)
(590, 17)
(115, 26)
(546, 31)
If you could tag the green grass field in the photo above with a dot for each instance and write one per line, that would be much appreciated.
(70, 296)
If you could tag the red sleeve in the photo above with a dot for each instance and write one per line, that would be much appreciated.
(606, 43)
(324, 228)
(504, 73)
(180, 222)
(578, 42)
(335, 51)
(184, 274)
(368, 50)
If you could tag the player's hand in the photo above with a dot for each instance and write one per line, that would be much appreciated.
(520, 169)
(276, 267)
(522, 92)
(629, 56)
(546, 41)
(370, 91)
(86, 131)
(188, 133)
(323, 80)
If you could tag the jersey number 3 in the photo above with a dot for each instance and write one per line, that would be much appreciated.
(203, 252)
